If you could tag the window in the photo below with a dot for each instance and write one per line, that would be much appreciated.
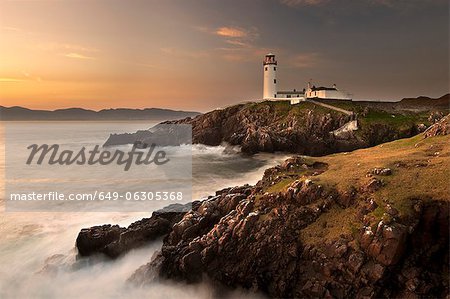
(275, 81)
(274, 68)
(275, 95)
(265, 68)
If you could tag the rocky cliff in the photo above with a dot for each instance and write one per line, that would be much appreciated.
(306, 128)
(367, 224)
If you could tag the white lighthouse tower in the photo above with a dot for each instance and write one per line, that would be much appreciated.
(270, 77)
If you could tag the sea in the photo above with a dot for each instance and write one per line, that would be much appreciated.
(38, 257)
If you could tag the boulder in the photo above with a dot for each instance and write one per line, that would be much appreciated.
(95, 239)
(113, 240)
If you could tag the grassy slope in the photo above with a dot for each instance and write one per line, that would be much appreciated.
(421, 170)
(420, 166)
(400, 119)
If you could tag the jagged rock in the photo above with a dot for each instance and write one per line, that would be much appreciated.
(381, 171)
(192, 262)
(347, 198)
(441, 127)
(388, 244)
(355, 261)
(94, 239)
(113, 240)
(372, 205)
(256, 243)
(421, 127)
(373, 185)
(387, 218)
(435, 116)
(391, 210)
(376, 272)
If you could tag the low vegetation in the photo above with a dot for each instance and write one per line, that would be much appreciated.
(420, 170)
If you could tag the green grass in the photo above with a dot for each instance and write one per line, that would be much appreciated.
(378, 212)
(330, 225)
(347, 105)
(281, 185)
(283, 110)
(395, 119)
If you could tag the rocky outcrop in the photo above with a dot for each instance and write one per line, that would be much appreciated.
(263, 127)
(346, 129)
(113, 240)
(259, 238)
(160, 135)
(381, 171)
(441, 127)
(423, 270)
(306, 128)
(302, 232)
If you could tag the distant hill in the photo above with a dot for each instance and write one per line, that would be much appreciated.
(442, 102)
(20, 113)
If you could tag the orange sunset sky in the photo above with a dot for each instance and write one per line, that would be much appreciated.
(199, 54)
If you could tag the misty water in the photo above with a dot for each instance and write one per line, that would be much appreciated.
(38, 258)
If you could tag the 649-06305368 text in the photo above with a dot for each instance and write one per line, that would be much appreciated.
(99, 196)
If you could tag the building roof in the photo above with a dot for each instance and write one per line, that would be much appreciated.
(290, 92)
(322, 88)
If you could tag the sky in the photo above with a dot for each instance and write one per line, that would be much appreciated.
(204, 54)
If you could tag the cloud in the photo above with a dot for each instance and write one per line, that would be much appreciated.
(78, 56)
(23, 77)
(232, 35)
(237, 43)
(16, 30)
(54, 46)
(237, 34)
(240, 43)
(10, 28)
(11, 80)
(231, 32)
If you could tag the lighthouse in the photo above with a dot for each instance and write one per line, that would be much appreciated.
(297, 95)
(270, 77)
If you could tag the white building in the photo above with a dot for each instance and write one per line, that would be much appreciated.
(270, 90)
(313, 92)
